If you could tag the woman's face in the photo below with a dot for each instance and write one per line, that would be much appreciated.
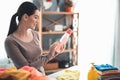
(33, 20)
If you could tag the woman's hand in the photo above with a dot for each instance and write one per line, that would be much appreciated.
(56, 47)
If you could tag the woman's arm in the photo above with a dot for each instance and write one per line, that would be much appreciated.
(15, 54)
(45, 58)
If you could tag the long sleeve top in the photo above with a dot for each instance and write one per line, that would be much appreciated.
(27, 53)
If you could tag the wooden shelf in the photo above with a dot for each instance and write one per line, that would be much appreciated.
(55, 32)
(58, 13)
(70, 50)
(54, 70)
(64, 18)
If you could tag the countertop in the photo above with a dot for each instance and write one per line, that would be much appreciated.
(83, 72)
(54, 75)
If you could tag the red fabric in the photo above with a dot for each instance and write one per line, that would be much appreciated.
(35, 74)
(2, 70)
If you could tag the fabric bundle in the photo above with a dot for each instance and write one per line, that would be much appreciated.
(25, 73)
(69, 75)
(107, 72)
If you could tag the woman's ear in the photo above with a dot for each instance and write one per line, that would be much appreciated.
(25, 17)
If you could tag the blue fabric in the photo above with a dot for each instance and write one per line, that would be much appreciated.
(104, 67)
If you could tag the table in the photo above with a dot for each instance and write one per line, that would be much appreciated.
(54, 75)
(83, 72)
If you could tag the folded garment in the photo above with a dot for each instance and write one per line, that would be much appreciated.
(109, 77)
(109, 73)
(105, 67)
(14, 74)
(115, 78)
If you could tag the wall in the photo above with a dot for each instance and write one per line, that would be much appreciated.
(8, 8)
(116, 56)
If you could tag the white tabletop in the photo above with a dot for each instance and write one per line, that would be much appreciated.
(54, 75)
(83, 72)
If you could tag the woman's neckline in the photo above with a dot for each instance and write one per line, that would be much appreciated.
(24, 41)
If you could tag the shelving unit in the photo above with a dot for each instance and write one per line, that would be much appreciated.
(68, 18)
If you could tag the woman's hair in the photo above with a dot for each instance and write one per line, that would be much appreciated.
(25, 8)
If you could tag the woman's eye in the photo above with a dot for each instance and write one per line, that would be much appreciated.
(36, 17)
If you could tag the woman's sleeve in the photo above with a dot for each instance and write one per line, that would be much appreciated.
(45, 58)
(41, 61)
(15, 54)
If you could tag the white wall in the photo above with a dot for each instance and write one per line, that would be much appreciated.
(117, 39)
(97, 23)
(96, 32)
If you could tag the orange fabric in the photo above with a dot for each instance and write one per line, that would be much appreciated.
(25, 73)
(15, 74)
(35, 74)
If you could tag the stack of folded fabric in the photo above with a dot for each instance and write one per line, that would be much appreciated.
(107, 72)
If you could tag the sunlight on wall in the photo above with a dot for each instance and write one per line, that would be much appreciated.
(7, 10)
(5, 16)
(96, 31)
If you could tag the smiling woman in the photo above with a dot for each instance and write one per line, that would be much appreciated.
(22, 44)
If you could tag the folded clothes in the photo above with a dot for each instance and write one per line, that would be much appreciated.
(109, 73)
(105, 67)
(109, 78)
(115, 78)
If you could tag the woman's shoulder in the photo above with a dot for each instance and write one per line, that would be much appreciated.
(9, 38)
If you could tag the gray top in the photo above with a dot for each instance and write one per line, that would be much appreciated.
(29, 53)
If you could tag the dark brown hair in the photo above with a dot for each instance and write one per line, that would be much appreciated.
(25, 8)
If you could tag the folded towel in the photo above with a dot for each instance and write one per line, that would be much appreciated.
(105, 67)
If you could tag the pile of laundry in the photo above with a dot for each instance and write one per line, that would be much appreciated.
(24, 73)
(107, 72)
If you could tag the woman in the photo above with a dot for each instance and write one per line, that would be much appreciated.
(22, 42)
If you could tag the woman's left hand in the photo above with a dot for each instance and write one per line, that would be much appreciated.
(57, 47)
(60, 48)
